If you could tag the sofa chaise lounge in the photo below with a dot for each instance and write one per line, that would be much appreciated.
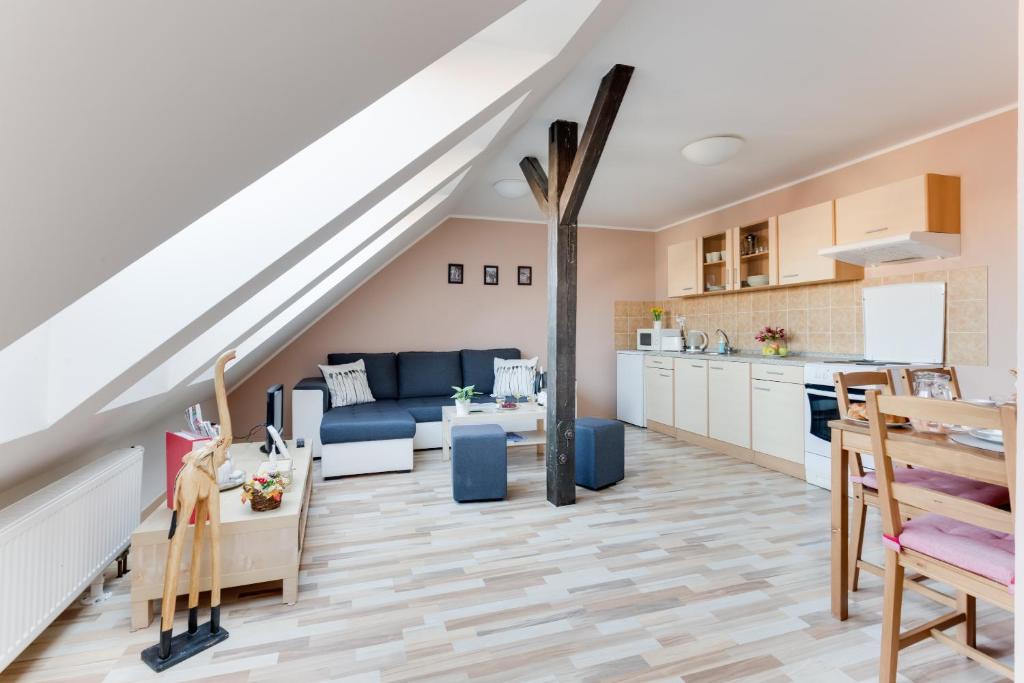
(409, 389)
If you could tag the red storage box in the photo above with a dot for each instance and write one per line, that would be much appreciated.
(178, 445)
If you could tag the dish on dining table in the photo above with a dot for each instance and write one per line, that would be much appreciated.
(990, 435)
(858, 413)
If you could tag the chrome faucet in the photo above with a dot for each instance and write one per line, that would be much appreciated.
(724, 346)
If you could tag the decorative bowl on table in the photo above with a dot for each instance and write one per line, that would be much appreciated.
(264, 492)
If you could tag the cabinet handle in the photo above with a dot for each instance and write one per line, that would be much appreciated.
(791, 275)
(716, 367)
(773, 372)
(761, 389)
(695, 365)
(686, 289)
(868, 232)
(662, 374)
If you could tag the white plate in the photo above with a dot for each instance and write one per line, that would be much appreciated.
(990, 435)
(897, 425)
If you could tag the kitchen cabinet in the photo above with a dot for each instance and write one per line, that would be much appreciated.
(929, 202)
(715, 254)
(658, 394)
(755, 255)
(777, 419)
(691, 392)
(729, 402)
(682, 268)
(801, 234)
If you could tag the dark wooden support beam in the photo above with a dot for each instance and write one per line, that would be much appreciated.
(560, 451)
(560, 195)
(537, 180)
(595, 135)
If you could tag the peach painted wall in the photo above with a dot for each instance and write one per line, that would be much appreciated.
(409, 306)
(984, 155)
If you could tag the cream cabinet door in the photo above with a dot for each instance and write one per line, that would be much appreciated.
(801, 234)
(691, 410)
(682, 268)
(658, 395)
(777, 419)
(924, 202)
(729, 402)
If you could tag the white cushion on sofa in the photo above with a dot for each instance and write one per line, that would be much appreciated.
(347, 384)
(514, 376)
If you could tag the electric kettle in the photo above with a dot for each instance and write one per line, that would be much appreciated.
(696, 341)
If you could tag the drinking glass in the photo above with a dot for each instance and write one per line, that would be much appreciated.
(937, 386)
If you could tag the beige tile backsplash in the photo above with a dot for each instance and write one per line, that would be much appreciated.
(819, 318)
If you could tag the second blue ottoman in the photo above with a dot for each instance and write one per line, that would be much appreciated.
(600, 452)
(479, 463)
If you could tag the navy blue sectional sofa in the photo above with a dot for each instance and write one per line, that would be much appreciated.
(410, 389)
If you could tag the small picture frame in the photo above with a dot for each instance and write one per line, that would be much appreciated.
(525, 275)
(455, 271)
(490, 275)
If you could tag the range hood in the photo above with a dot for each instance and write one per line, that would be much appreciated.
(910, 246)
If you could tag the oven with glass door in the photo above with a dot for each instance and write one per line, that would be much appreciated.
(821, 407)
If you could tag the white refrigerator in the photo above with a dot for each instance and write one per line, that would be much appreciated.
(629, 387)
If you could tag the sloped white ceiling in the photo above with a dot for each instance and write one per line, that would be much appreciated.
(809, 84)
(222, 128)
(122, 121)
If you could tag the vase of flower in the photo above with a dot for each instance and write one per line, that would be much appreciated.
(773, 340)
(657, 312)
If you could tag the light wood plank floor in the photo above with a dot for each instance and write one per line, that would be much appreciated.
(697, 567)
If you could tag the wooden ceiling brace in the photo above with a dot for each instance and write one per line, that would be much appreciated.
(560, 195)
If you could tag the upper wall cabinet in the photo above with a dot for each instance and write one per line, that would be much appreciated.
(682, 268)
(928, 202)
(801, 234)
(755, 255)
(715, 254)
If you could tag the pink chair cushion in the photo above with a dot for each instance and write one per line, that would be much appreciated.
(979, 492)
(981, 551)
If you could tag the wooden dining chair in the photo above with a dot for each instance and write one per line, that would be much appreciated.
(908, 375)
(864, 495)
(963, 543)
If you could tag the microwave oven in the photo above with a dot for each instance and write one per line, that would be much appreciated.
(658, 340)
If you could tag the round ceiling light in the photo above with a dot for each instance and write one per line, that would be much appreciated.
(713, 150)
(511, 189)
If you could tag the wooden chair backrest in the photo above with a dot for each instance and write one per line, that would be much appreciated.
(907, 376)
(934, 452)
(844, 381)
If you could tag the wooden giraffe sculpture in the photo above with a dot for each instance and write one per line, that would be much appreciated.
(195, 488)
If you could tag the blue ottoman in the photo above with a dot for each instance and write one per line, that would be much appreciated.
(479, 463)
(600, 452)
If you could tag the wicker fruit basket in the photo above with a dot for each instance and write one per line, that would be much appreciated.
(264, 492)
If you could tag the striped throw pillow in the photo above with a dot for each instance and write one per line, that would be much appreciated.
(514, 376)
(347, 384)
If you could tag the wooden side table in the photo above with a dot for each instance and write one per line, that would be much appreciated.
(255, 546)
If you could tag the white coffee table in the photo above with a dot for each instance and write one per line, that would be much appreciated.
(510, 421)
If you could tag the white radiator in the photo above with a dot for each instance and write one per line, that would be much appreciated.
(54, 542)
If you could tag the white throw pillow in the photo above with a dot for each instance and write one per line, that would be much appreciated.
(513, 377)
(347, 384)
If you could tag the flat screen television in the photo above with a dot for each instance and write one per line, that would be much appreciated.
(275, 415)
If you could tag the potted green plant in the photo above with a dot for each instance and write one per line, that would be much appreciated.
(462, 398)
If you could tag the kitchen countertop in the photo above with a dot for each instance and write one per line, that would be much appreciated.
(799, 359)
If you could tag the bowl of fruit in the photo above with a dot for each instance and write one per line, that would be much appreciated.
(507, 403)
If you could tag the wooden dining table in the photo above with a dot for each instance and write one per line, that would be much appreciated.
(855, 437)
